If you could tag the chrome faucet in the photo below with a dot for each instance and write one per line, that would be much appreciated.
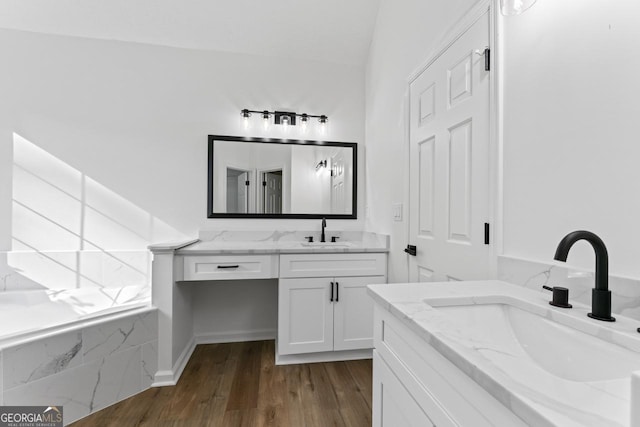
(600, 294)
(324, 225)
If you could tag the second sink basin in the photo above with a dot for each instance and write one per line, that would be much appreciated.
(506, 333)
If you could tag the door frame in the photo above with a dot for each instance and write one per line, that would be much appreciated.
(496, 118)
(250, 191)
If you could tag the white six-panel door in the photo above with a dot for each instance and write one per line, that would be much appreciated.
(449, 163)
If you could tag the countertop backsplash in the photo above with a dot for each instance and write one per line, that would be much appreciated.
(625, 298)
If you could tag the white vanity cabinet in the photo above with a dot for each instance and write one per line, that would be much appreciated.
(396, 406)
(200, 289)
(413, 384)
(323, 304)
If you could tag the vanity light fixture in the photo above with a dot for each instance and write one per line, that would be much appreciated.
(284, 118)
(515, 7)
(321, 164)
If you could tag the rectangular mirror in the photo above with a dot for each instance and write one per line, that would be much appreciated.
(281, 178)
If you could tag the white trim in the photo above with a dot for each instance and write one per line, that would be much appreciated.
(169, 378)
(497, 126)
(328, 356)
(235, 336)
(407, 178)
(454, 33)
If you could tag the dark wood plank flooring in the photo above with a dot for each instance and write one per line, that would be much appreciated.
(238, 384)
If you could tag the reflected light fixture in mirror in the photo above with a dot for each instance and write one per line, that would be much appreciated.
(515, 7)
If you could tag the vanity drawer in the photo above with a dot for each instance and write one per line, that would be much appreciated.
(333, 265)
(229, 267)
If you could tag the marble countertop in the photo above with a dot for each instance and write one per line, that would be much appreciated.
(534, 394)
(277, 242)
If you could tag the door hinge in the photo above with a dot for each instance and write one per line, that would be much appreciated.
(411, 250)
(247, 183)
(486, 233)
(487, 59)
(264, 183)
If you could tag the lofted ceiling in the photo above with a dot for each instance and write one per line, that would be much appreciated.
(325, 30)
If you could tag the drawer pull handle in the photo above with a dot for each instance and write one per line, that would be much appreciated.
(337, 291)
(331, 292)
(228, 266)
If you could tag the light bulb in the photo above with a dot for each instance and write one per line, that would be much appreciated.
(284, 120)
(245, 114)
(304, 121)
(323, 124)
(265, 119)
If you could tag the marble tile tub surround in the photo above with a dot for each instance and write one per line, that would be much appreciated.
(625, 299)
(227, 241)
(535, 395)
(85, 368)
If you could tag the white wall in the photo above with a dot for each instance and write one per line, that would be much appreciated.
(135, 118)
(571, 111)
(406, 33)
(132, 120)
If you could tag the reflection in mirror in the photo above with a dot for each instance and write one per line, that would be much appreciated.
(237, 191)
(271, 178)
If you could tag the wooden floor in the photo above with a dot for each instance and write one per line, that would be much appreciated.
(238, 385)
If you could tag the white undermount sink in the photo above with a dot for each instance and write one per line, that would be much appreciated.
(328, 244)
(511, 334)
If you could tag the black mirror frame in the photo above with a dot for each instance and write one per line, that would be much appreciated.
(354, 152)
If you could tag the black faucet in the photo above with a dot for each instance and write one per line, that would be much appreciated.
(324, 225)
(600, 295)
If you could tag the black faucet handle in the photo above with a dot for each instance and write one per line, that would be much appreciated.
(560, 296)
(309, 239)
(334, 239)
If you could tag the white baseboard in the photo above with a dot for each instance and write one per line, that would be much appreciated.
(235, 336)
(329, 356)
(169, 378)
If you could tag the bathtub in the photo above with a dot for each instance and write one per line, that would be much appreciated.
(28, 313)
(82, 349)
